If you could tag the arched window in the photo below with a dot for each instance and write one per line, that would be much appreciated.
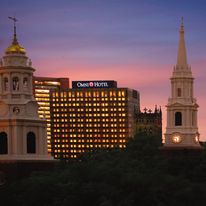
(15, 83)
(25, 82)
(31, 143)
(178, 119)
(3, 143)
(179, 92)
(6, 84)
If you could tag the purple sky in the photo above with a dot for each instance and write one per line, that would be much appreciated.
(132, 41)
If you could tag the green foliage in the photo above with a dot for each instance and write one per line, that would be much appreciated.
(141, 174)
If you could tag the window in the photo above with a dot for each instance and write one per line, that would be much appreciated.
(178, 119)
(31, 143)
(179, 92)
(25, 82)
(6, 82)
(3, 143)
(15, 83)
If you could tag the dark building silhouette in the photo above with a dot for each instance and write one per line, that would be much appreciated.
(149, 122)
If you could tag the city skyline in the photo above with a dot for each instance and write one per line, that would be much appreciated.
(128, 41)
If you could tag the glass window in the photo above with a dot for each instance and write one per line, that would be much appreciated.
(31, 143)
(178, 119)
(3, 143)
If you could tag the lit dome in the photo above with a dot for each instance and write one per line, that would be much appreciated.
(15, 48)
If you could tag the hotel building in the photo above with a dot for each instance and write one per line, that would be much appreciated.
(42, 88)
(91, 115)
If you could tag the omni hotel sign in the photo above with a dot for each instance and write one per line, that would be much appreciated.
(93, 84)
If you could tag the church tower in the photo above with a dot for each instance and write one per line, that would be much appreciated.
(22, 132)
(182, 128)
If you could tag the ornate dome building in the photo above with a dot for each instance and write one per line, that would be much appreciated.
(22, 132)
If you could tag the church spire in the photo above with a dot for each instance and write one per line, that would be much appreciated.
(14, 38)
(15, 47)
(182, 126)
(182, 56)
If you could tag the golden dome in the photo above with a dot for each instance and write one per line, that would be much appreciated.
(15, 48)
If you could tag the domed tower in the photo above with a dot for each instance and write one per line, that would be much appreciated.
(22, 132)
(182, 127)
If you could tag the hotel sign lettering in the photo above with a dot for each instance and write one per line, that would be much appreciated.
(94, 84)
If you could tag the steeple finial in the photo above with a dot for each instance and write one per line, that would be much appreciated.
(182, 21)
(182, 56)
(15, 38)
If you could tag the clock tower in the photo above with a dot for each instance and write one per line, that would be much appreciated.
(22, 132)
(182, 127)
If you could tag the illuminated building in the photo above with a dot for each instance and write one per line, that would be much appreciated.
(92, 115)
(149, 122)
(42, 88)
(182, 127)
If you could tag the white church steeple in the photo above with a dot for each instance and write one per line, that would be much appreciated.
(182, 126)
(182, 55)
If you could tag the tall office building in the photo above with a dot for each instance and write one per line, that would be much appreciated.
(91, 115)
(182, 127)
(42, 88)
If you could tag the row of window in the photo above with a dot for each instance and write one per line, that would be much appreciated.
(72, 140)
(94, 93)
(91, 125)
(30, 143)
(88, 99)
(92, 130)
(88, 146)
(81, 145)
(84, 137)
(91, 104)
(15, 83)
(91, 109)
(92, 120)
(86, 115)
(56, 83)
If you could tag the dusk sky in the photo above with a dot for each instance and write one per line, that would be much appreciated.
(131, 41)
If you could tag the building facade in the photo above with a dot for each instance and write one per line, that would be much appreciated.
(91, 116)
(22, 132)
(42, 88)
(149, 122)
(182, 127)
